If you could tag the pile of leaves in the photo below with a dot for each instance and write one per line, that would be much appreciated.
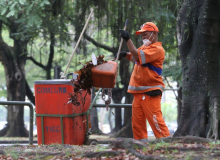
(175, 148)
(84, 81)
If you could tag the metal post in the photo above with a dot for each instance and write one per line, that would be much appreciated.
(31, 106)
(57, 70)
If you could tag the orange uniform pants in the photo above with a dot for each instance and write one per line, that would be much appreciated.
(147, 107)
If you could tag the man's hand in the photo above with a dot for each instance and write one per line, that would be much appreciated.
(122, 54)
(124, 35)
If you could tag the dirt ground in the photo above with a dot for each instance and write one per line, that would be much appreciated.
(181, 148)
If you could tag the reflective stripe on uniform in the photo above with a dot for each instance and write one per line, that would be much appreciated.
(140, 88)
(143, 59)
(149, 65)
(156, 123)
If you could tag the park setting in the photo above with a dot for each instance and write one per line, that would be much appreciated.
(126, 79)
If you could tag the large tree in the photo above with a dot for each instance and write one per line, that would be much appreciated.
(199, 46)
(13, 60)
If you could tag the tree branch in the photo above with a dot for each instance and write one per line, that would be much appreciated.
(51, 55)
(173, 91)
(113, 50)
(35, 62)
(29, 93)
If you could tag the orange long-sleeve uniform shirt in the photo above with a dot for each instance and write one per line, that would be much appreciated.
(146, 76)
(147, 71)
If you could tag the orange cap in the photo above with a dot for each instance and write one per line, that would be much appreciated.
(148, 26)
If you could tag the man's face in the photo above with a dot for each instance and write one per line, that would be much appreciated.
(147, 35)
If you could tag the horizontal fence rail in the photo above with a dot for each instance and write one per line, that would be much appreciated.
(113, 105)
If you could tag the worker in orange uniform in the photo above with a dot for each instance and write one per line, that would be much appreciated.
(146, 83)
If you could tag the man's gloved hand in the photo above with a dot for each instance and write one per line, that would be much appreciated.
(122, 54)
(124, 35)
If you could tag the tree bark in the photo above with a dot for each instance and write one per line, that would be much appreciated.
(94, 117)
(94, 121)
(13, 60)
(199, 30)
(179, 104)
(117, 95)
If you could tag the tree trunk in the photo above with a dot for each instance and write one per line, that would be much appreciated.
(94, 116)
(13, 60)
(199, 30)
(94, 121)
(179, 103)
(51, 55)
(117, 95)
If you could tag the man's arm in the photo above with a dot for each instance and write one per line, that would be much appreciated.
(133, 50)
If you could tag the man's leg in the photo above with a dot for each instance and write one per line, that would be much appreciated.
(138, 119)
(152, 109)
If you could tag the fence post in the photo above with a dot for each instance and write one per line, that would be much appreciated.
(57, 70)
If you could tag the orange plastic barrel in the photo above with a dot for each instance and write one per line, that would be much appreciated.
(104, 75)
(51, 97)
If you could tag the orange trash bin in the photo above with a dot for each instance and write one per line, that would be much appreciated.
(57, 120)
(104, 75)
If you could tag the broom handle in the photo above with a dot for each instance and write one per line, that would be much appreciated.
(119, 49)
(78, 42)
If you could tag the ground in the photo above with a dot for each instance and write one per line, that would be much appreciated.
(185, 148)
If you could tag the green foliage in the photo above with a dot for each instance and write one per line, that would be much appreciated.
(23, 11)
(169, 110)
(174, 72)
(163, 14)
(3, 92)
(68, 153)
(188, 157)
(13, 154)
(32, 16)
(214, 144)
(100, 148)
(145, 149)
(161, 144)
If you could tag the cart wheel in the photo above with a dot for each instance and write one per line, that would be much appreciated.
(91, 142)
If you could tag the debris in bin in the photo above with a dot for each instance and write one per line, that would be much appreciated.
(73, 99)
(84, 80)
